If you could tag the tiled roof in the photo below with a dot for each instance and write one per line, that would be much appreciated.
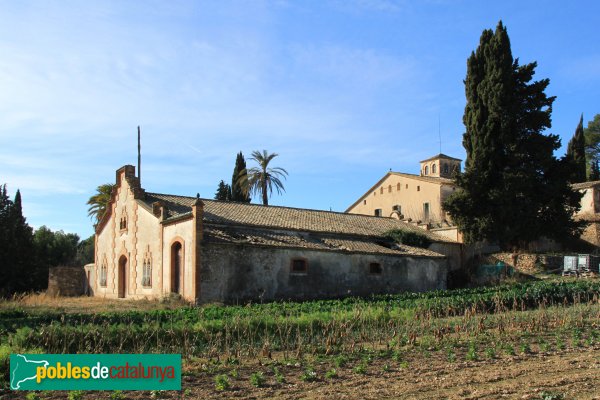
(313, 242)
(441, 155)
(286, 218)
(585, 185)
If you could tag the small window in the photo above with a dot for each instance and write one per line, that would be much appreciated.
(299, 266)
(381, 190)
(433, 169)
(418, 188)
(365, 202)
(398, 186)
(397, 208)
(374, 193)
(103, 271)
(426, 170)
(390, 189)
(406, 186)
(378, 212)
(375, 269)
(426, 211)
(445, 168)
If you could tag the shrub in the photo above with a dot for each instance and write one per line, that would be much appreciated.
(221, 382)
(257, 379)
(408, 238)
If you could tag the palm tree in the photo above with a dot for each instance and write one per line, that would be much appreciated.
(99, 202)
(262, 179)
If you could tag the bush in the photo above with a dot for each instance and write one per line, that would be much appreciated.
(408, 238)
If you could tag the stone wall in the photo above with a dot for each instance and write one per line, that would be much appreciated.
(236, 273)
(591, 233)
(527, 263)
(66, 281)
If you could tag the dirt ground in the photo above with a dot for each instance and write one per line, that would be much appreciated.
(569, 374)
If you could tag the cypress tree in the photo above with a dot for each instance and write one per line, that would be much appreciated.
(17, 266)
(513, 190)
(223, 192)
(576, 154)
(240, 177)
(594, 171)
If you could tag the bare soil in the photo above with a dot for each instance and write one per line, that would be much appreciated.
(573, 374)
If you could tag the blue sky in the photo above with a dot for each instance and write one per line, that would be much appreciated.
(342, 90)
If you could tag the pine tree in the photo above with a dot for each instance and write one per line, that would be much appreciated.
(513, 189)
(240, 176)
(594, 171)
(576, 154)
(223, 192)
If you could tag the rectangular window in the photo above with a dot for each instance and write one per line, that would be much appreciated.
(418, 188)
(365, 202)
(398, 186)
(425, 211)
(397, 208)
(378, 212)
(375, 269)
(381, 190)
(299, 266)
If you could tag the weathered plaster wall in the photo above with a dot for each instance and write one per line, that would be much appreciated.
(184, 233)
(66, 281)
(235, 273)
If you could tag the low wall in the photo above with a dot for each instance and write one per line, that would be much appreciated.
(527, 263)
(66, 281)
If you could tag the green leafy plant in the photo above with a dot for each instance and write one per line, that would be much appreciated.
(118, 395)
(309, 375)
(257, 379)
(75, 395)
(331, 373)
(222, 382)
(360, 368)
(32, 396)
(340, 361)
(234, 373)
(278, 375)
(472, 352)
(490, 353)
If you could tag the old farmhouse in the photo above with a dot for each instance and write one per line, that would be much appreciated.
(149, 245)
(415, 199)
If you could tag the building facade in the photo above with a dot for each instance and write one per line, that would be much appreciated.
(416, 199)
(150, 245)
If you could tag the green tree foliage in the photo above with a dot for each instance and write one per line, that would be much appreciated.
(52, 249)
(576, 154)
(16, 238)
(408, 238)
(592, 140)
(99, 202)
(594, 171)
(263, 179)
(85, 251)
(240, 176)
(513, 189)
(223, 192)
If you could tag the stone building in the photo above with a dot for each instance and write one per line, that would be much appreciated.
(416, 199)
(590, 210)
(149, 245)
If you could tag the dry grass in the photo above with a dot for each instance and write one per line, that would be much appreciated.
(85, 304)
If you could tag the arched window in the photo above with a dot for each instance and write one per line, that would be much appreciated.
(433, 169)
(103, 271)
(147, 270)
(445, 168)
(398, 186)
(426, 170)
(390, 189)
(123, 220)
(176, 267)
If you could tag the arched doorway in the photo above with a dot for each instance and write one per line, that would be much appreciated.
(122, 277)
(176, 267)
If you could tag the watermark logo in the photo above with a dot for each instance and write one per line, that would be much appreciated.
(95, 371)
